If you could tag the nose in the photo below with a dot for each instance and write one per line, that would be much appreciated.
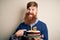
(30, 11)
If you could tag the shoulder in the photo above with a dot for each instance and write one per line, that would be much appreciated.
(42, 25)
(22, 23)
(41, 22)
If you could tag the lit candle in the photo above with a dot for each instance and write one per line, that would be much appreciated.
(31, 27)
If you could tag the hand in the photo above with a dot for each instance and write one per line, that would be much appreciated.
(42, 36)
(20, 33)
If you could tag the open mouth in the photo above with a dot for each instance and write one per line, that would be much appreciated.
(30, 14)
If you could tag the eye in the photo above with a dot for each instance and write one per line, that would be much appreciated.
(32, 9)
(28, 8)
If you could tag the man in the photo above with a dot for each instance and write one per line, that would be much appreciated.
(30, 19)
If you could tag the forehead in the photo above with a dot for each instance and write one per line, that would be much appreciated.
(32, 7)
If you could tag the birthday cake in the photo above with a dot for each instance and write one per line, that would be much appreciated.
(33, 33)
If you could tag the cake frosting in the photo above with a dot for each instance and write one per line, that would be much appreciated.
(33, 31)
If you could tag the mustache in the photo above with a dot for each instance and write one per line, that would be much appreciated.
(29, 14)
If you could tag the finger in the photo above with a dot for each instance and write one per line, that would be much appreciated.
(35, 38)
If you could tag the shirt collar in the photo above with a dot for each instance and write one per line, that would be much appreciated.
(34, 22)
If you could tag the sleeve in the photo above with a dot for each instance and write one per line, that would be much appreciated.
(12, 36)
(19, 27)
(45, 32)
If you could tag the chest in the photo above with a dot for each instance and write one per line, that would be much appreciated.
(29, 27)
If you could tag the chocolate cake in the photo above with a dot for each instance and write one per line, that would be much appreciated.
(32, 33)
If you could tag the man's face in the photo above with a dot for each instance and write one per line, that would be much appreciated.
(31, 12)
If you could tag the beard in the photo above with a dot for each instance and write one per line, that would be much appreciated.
(30, 18)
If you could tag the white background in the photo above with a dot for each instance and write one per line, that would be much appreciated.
(12, 12)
